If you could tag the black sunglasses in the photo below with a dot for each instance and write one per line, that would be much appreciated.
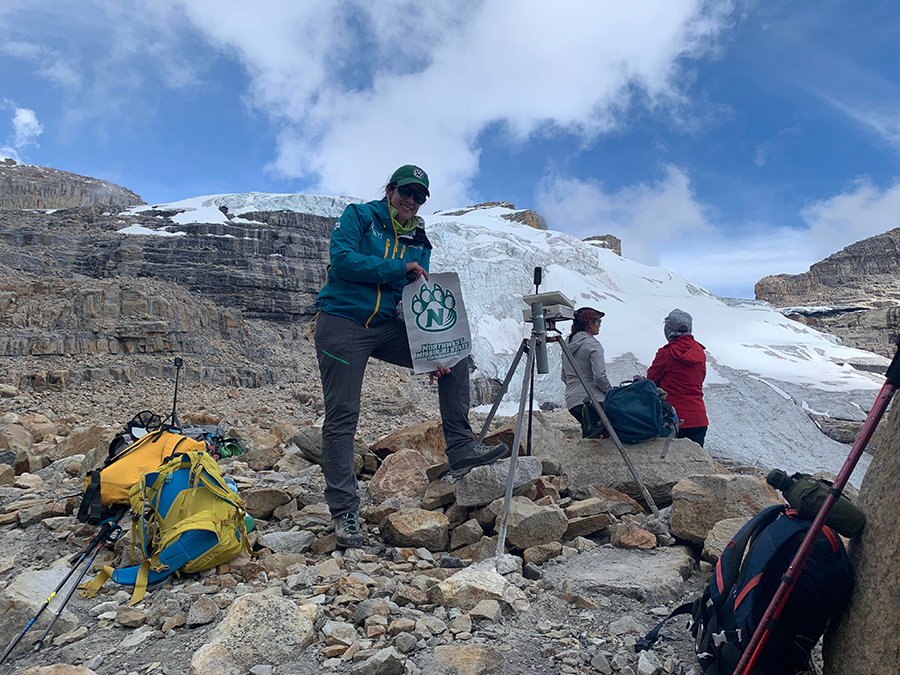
(405, 192)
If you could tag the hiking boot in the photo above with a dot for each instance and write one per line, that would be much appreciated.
(479, 455)
(348, 530)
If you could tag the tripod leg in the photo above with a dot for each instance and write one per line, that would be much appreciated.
(499, 397)
(510, 478)
(609, 427)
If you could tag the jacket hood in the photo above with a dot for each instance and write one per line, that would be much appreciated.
(686, 348)
(579, 339)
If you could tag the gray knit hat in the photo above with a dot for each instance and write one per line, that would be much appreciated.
(677, 323)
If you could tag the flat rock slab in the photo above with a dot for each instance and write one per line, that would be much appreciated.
(650, 576)
(589, 462)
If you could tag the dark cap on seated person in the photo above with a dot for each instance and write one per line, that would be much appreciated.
(410, 174)
(587, 314)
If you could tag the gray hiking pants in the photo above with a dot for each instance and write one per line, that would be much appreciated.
(343, 348)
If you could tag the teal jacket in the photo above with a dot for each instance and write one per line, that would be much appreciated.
(367, 273)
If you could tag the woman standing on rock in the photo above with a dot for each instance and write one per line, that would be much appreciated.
(377, 249)
(679, 369)
(588, 355)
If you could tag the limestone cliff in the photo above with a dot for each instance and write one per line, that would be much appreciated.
(23, 186)
(854, 294)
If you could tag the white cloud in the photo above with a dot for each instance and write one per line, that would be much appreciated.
(25, 130)
(26, 127)
(646, 217)
(356, 88)
(864, 211)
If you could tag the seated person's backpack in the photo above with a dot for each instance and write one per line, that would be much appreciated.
(638, 413)
(743, 583)
(187, 518)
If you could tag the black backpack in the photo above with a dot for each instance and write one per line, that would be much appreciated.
(743, 583)
(637, 413)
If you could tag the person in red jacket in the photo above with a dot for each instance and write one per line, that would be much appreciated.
(679, 369)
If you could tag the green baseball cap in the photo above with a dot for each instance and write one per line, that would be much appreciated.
(410, 174)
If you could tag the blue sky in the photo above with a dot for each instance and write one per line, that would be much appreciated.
(721, 139)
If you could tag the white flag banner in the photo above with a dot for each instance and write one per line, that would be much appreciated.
(436, 322)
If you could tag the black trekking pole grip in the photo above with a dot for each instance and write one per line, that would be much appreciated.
(776, 605)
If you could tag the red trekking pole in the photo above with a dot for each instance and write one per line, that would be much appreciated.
(773, 611)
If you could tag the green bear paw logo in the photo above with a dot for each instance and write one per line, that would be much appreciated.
(434, 308)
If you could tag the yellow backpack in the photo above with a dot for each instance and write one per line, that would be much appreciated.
(107, 488)
(187, 517)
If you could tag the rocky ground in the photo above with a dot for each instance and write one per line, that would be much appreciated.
(588, 571)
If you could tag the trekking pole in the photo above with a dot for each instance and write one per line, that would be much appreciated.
(773, 611)
(95, 542)
(110, 533)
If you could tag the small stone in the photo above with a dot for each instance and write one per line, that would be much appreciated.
(130, 616)
(625, 625)
(70, 637)
(339, 633)
(531, 572)
(648, 663)
(173, 622)
(405, 642)
(469, 532)
(487, 609)
(202, 612)
(384, 662)
(262, 670)
(601, 664)
(402, 626)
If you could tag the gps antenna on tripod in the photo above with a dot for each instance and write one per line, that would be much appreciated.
(179, 364)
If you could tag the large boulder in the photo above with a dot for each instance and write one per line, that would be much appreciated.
(309, 442)
(262, 502)
(427, 439)
(531, 525)
(650, 576)
(416, 528)
(259, 628)
(866, 640)
(484, 484)
(402, 475)
(587, 462)
(15, 438)
(38, 425)
(545, 438)
(718, 537)
(699, 502)
(87, 441)
(23, 596)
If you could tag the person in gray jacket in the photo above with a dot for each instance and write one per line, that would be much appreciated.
(588, 355)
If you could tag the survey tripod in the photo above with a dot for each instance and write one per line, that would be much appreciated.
(544, 322)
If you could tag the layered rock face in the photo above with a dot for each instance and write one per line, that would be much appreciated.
(82, 302)
(23, 186)
(854, 294)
